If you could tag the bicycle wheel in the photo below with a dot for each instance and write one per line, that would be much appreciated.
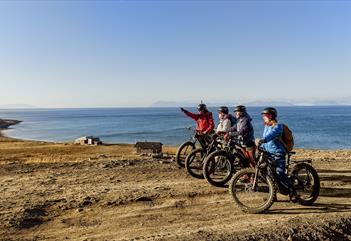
(306, 183)
(218, 169)
(183, 151)
(194, 162)
(252, 196)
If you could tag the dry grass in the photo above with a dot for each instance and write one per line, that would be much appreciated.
(14, 150)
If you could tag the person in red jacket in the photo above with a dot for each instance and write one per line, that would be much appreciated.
(204, 119)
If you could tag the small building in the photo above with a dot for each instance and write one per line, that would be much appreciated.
(149, 147)
(88, 140)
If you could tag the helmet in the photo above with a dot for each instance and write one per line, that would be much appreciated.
(223, 109)
(270, 111)
(201, 107)
(240, 108)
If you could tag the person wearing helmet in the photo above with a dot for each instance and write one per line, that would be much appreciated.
(204, 119)
(243, 130)
(224, 120)
(270, 142)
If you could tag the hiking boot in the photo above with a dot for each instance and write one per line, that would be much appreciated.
(294, 197)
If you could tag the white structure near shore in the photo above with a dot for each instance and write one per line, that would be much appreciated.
(88, 140)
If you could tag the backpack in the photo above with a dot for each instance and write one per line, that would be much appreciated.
(287, 138)
(232, 120)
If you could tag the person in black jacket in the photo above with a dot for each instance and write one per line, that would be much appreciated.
(243, 130)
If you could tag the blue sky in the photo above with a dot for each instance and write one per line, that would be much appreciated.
(135, 53)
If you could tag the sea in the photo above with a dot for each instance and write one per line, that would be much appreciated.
(315, 127)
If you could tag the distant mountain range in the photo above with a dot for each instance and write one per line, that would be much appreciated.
(252, 103)
(17, 106)
(344, 101)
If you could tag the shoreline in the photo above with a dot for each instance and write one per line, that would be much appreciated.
(5, 125)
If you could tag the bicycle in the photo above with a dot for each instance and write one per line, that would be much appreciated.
(254, 189)
(195, 160)
(184, 149)
(220, 166)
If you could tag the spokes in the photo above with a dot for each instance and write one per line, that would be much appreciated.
(219, 167)
(303, 182)
(185, 152)
(195, 162)
(251, 193)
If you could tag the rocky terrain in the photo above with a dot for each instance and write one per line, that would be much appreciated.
(70, 192)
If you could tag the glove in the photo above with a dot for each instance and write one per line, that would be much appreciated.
(258, 142)
(199, 133)
(182, 109)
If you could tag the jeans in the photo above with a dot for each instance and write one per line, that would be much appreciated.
(280, 171)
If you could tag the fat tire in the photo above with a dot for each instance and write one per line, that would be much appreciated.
(188, 162)
(262, 208)
(207, 173)
(178, 157)
(315, 192)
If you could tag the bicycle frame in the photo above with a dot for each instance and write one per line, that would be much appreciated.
(267, 162)
(235, 147)
(192, 137)
(196, 138)
(289, 162)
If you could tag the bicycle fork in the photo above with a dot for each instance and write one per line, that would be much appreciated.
(257, 170)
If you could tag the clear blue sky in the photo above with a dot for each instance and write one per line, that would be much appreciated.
(134, 53)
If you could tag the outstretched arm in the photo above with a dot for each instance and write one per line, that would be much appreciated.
(191, 115)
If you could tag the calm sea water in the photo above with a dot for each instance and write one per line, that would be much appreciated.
(313, 127)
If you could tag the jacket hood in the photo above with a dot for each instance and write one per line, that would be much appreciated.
(246, 116)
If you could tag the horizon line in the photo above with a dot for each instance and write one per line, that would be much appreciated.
(155, 107)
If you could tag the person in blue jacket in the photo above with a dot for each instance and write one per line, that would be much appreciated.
(271, 143)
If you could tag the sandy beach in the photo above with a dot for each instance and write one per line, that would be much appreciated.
(62, 191)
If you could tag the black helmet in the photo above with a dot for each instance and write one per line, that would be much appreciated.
(270, 111)
(223, 109)
(240, 108)
(201, 107)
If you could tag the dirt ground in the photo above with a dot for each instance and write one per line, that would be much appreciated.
(67, 192)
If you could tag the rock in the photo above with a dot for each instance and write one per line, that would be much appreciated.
(289, 238)
(144, 199)
(157, 155)
(86, 203)
(110, 203)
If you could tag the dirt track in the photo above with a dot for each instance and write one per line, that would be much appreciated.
(58, 192)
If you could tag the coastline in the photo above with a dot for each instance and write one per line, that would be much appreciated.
(6, 124)
(123, 126)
